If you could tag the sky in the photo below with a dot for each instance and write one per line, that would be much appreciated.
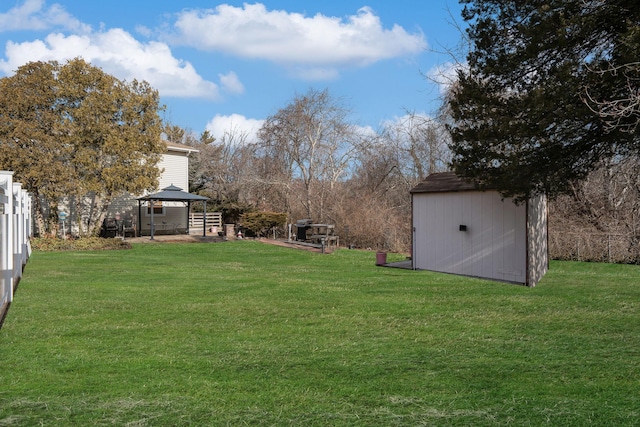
(227, 66)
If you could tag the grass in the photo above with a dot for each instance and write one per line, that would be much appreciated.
(243, 333)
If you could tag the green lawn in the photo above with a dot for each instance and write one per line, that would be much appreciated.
(243, 333)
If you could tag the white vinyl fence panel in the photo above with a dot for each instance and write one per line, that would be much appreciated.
(15, 232)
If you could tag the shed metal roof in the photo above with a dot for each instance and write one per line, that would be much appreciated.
(443, 182)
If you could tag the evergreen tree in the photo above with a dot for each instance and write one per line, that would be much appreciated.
(550, 90)
(70, 131)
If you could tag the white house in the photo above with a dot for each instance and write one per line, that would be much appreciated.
(459, 229)
(175, 166)
(169, 216)
(125, 213)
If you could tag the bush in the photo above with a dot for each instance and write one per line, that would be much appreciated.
(51, 244)
(260, 223)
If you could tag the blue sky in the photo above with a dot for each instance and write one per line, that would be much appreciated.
(229, 65)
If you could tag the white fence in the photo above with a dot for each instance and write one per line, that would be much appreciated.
(15, 231)
(214, 222)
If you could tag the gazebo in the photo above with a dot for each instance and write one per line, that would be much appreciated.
(171, 194)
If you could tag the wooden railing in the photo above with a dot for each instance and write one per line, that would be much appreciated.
(214, 221)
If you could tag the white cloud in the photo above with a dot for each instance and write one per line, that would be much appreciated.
(293, 39)
(231, 83)
(234, 129)
(144, 31)
(366, 131)
(117, 52)
(32, 15)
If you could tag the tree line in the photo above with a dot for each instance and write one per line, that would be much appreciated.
(76, 135)
(310, 161)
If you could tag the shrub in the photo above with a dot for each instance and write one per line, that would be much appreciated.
(260, 223)
(82, 244)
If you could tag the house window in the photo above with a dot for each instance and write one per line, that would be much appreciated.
(158, 209)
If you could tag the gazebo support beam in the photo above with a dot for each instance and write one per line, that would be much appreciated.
(139, 229)
(152, 206)
(188, 215)
(204, 220)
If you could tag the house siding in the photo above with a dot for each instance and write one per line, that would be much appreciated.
(175, 170)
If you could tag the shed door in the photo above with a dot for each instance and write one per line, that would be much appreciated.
(492, 246)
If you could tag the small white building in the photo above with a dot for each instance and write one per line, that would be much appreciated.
(461, 230)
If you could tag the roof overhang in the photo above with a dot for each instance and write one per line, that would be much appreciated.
(181, 148)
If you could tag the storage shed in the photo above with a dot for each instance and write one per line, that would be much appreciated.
(460, 229)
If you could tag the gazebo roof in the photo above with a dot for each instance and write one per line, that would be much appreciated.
(173, 193)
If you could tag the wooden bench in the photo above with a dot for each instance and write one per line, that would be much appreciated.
(322, 232)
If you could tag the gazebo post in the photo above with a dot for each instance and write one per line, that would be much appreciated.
(204, 220)
(152, 224)
(139, 229)
(188, 215)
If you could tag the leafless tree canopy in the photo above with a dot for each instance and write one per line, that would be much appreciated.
(310, 160)
(600, 219)
(619, 112)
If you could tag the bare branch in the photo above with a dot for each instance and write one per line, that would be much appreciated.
(622, 113)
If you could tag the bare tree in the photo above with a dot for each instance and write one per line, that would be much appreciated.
(602, 212)
(420, 143)
(309, 142)
(621, 111)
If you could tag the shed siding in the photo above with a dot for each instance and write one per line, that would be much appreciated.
(537, 249)
(494, 245)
